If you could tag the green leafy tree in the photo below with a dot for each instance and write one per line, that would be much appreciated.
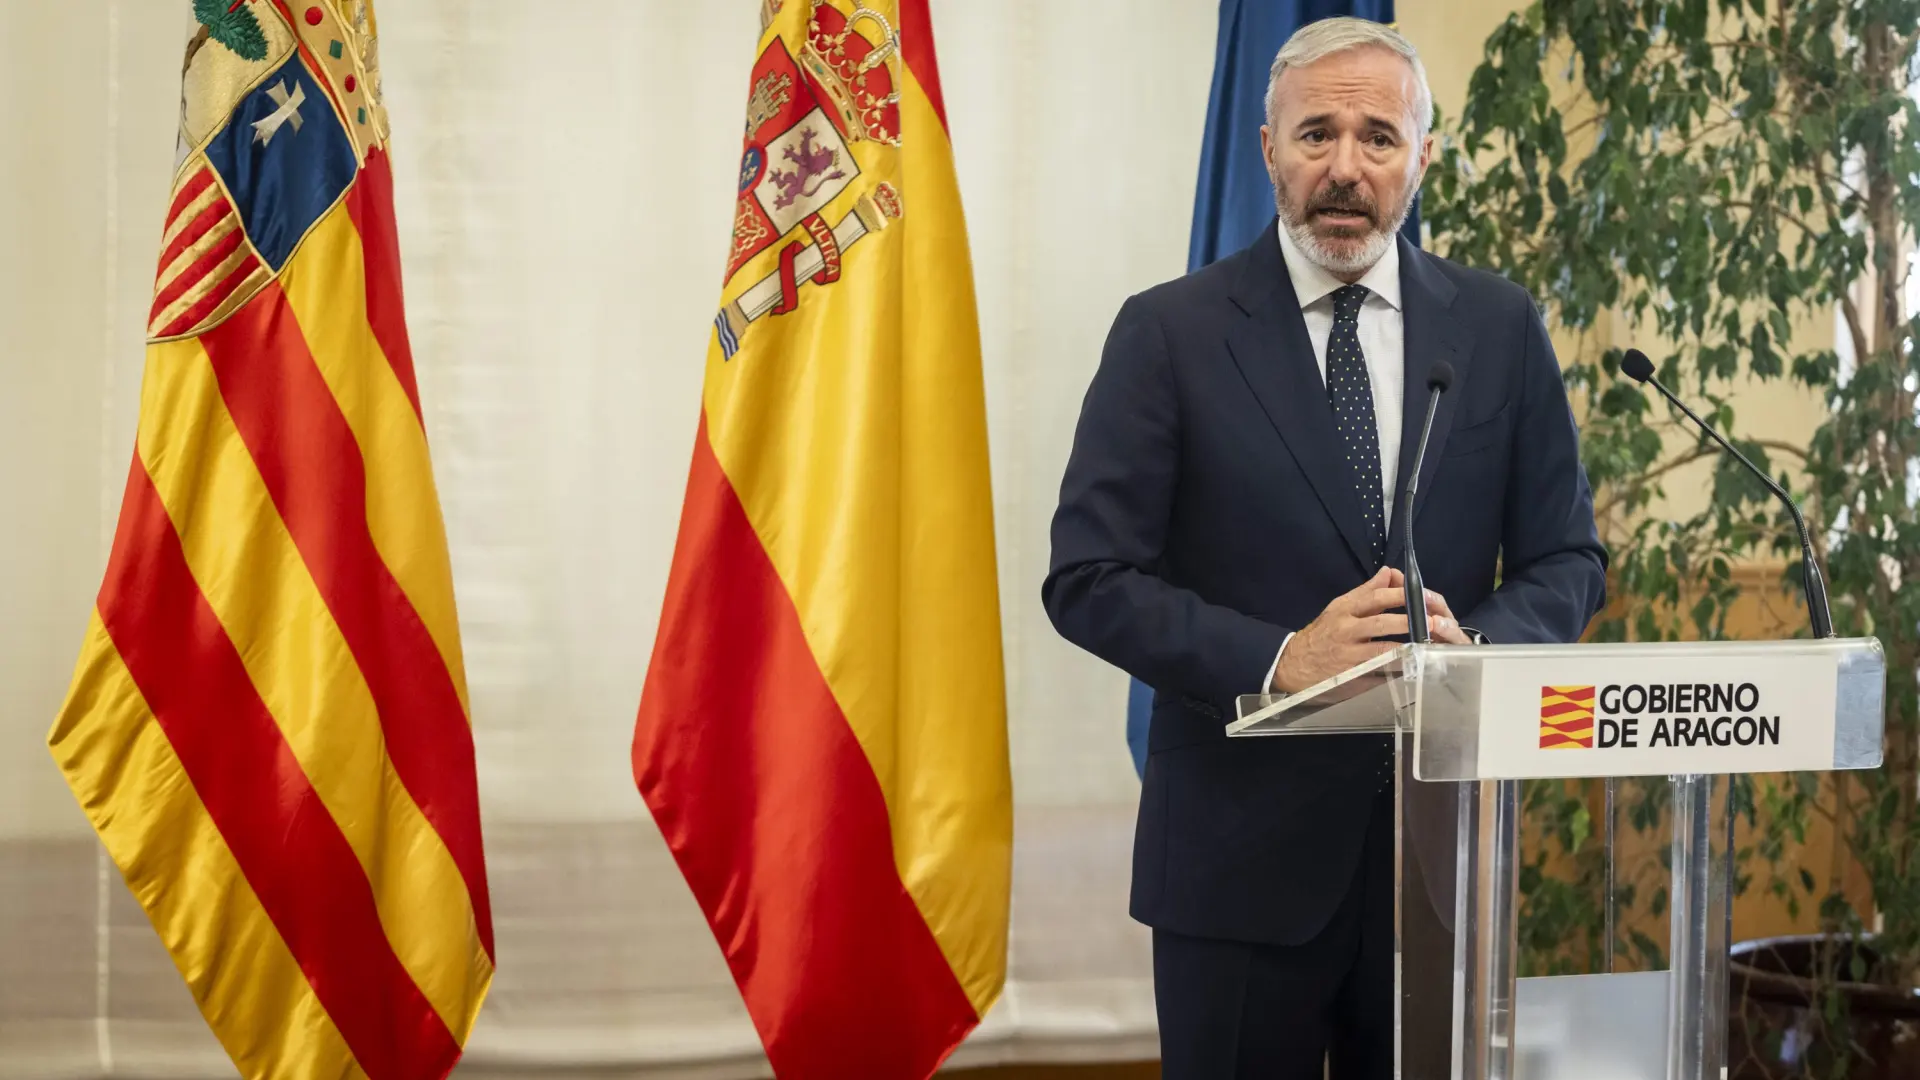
(1716, 174)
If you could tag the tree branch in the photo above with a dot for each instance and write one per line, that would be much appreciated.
(1783, 447)
(1700, 450)
(1646, 479)
(1826, 185)
(1780, 212)
(1856, 329)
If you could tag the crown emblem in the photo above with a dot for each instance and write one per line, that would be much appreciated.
(855, 72)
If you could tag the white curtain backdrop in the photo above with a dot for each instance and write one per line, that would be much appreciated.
(565, 174)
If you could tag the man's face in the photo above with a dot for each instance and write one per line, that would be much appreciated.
(1345, 155)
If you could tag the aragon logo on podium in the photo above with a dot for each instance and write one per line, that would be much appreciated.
(1707, 709)
(1566, 718)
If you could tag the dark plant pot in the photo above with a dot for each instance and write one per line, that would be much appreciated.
(1778, 1027)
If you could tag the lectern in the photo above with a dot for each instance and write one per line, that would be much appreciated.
(1470, 722)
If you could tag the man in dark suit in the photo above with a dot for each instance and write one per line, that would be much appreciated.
(1223, 529)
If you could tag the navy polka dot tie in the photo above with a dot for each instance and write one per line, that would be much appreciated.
(1351, 393)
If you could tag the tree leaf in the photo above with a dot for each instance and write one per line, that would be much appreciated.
(237, 28)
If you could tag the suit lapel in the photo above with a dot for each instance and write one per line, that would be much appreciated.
(1275, 356)
(1433, 332)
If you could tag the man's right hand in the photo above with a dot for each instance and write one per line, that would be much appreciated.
(1344, 634)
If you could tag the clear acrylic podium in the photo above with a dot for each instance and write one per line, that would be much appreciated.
(1470, 723)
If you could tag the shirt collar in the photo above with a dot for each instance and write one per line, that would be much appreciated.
(1312, 283)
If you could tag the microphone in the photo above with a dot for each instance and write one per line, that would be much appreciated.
(1439, 380)
(1635, 365)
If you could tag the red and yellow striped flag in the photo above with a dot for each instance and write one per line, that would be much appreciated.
(1566, 718)
(268, 721)
(822, 737)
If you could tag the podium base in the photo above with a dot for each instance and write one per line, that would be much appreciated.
(1591, 1027)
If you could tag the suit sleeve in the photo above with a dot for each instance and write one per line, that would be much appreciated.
(1103, 589)
(1553, 567)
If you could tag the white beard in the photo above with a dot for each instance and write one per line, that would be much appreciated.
(1338, 262)
(1324, 255)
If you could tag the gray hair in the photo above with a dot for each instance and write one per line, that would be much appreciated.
(1318, 40)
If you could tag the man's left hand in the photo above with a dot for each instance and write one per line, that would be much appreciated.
(1441, 622)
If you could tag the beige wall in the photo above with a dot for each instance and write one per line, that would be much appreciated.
(1450, 38)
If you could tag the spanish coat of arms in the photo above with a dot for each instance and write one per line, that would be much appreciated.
(804, 114)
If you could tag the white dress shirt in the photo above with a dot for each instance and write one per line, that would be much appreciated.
(1382, 334)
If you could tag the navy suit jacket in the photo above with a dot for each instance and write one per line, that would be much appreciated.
(1206, 512)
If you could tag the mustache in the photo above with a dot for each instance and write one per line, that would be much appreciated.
(1344, 197)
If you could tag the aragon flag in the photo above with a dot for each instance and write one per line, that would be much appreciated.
(822, 736)
(268, 723)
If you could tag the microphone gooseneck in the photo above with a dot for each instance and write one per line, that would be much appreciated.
(1637, 367)
(1438, 382)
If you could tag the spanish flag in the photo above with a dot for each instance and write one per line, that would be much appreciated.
(822, 736)
(268, 722)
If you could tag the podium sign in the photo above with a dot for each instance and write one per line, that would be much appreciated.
(1529, 712)
(1470, 722)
